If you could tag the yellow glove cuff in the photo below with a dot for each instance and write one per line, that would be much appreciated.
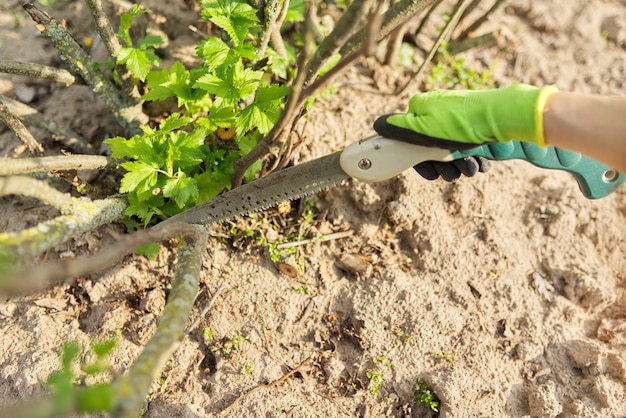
(542, 99)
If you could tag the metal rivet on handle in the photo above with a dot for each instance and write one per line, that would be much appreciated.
(365, 164)
(610, 176)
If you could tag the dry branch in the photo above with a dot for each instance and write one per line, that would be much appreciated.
(50, 274)
(18, 128)
(444, 36)
(31, 69)
(132, 389)
(32, 117)
(126, 113)
(12, 166)
(78, 216)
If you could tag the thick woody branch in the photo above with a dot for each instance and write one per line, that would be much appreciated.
(79, 215)
(12, 166)
(50, 274)
(18, 128)
(62, 134)
(82, 65)
(31, 69)
(133, 388)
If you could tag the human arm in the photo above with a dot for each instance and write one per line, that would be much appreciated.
(590, 124)
(454, 119)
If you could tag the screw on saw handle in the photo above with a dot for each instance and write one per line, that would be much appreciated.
(595, 179)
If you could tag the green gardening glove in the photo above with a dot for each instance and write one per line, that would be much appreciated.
(456, 119)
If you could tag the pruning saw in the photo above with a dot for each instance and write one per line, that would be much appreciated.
(376, 159)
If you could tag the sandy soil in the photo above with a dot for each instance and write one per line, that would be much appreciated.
(504, 292)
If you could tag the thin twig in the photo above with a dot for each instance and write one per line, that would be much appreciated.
(288, 114)
(445, 35)
(271, 10)
(426, 16)
(12, 166)
(49, 274)
(133, 388)
(374, 22)
(276, 37)
(31, 69)
(82, 65)
(321, 238)
(485, 40)
(336, 39)
(112, 45)
(31, 117)
(397, 15)
(269, 385)
(474, 26)
(103, 27)
(18, 128)
(206, 308)
(85, 215)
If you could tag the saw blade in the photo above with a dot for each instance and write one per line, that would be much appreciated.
(287, 184)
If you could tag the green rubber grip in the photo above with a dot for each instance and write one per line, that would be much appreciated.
(595, 179)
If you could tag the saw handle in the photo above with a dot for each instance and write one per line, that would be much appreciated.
(595, 179)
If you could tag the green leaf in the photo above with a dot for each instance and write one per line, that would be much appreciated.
(149, 250)
(231, 83)
(173, 121)
(247, 143)
(185, 150)
(141, 177)
(137, 61)
(270, 93)
(264, 111)
(144, 209)
(103, 348)
(208, 187)
(96, 398)
(223, 116)
(149, 41)
(236, 17)
(214, 51)
(295, 12)
(177, 81)
(181, 189)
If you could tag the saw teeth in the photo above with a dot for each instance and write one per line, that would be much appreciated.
(288, 184)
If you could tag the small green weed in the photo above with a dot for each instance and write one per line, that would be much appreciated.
(376, 375)
(450, 72)
(68, 395)
(424, 395)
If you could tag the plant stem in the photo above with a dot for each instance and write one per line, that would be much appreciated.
(132, 389)
(16, 125)
(82, 65)
(445, 35)
(82, 215)
(31, 69)
(12, 166)
(474, 26)
(336, 39)
(271, 10)
(32, 117)
(51, 274)
(112, 44)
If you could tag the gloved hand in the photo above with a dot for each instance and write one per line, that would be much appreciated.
(455, 119)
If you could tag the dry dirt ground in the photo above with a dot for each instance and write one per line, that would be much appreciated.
(505, 292)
